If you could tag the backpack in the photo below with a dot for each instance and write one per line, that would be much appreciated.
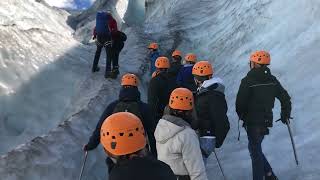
(123, 36)
(102, 23)
(129, 106)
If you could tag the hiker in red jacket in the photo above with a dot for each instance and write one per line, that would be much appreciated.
(105, 29)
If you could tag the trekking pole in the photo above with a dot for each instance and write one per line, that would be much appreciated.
(220, 167)
(83, 164)
(292, 142)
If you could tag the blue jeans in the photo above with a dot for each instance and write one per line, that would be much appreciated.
(260, 165)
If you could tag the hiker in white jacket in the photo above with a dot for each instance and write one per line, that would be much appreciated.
(177, 143)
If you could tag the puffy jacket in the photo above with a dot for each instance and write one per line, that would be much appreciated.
(141, 168)
(158, 94)
(153, 57)
(256, 96)
(127, 94)
(211, 107)
(178, 146)
(185, 78)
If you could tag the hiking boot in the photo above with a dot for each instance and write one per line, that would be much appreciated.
(108, 74)
(115, 71)
(96, 69)
(272, 177)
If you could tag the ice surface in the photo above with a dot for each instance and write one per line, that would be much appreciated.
(224, 32)
(40, 69)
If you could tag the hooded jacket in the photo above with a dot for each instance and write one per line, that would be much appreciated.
(127, 94)
(211, 107)
(185, 78)
(256, 96)
(178, 146)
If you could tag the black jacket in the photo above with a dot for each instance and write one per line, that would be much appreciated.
(141, 169)
(127, 94)
(211, 107)
(173, 72)
(256, 96)
(159, 93)
(174, 69)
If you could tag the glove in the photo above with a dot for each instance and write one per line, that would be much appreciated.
(87, 148)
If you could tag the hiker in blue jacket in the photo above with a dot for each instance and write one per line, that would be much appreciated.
(154, 54)
(185, 78)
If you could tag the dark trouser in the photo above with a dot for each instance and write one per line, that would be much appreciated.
(115, 59)
(260, 165)
(101, 43)
(183, 177)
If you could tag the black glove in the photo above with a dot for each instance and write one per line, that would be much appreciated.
(87, 147)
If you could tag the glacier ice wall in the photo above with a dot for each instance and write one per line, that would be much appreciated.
(40, 69)
(226, 32)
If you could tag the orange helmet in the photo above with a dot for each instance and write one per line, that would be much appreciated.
(260, 57)
(176, 53)
(122, 133)
(162, 63)
(153, 46)
(190, 57)
(181, 99)
(202, 68)
(129, 80)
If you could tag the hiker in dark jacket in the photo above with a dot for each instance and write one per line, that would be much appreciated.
(211, 105)
(175, 66)
(129, 93)
(123, 138)
(105, 27)
(254, 104)
(159, 88)
(185, 78)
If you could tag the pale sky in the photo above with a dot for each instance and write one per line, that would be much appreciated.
(67, 3)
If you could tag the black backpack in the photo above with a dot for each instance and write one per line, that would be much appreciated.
(128, 106)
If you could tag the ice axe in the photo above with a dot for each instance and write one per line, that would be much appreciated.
(208, 144)
(83, 164)
(292, 140)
